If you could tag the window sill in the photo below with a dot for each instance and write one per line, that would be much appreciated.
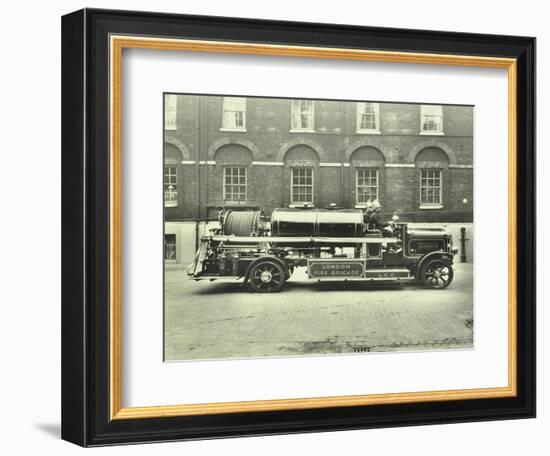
(432, 133)
(300, 205)
(171, 127)
(430, 206)
(239, 130)
(170, 204)
(293, 130)
(367, 132)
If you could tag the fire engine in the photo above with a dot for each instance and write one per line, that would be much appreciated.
(333, 244)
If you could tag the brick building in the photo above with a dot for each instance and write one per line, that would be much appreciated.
(263, 153)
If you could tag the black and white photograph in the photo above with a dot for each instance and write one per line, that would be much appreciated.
(300, 227)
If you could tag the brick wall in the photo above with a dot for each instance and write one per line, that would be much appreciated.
(269, 149)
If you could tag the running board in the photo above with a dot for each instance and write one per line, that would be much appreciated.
(213, 277)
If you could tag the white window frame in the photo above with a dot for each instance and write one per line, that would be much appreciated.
(170, 112)
(361, 107)
(175, 259)
(357, 171)
(225, 184)
(296, 105)
(171, 202)
(435, 111)
(232, 105)
(431, 205)
(292, 200)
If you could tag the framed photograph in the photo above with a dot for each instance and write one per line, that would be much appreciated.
(278, 227)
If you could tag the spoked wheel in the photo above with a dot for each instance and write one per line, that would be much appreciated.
(267, 277)
(437, 273)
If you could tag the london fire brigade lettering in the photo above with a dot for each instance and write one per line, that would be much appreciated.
(335, 269)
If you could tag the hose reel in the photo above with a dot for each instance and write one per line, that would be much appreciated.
(242, 223)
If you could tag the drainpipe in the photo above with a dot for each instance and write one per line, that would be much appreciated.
(207, 144)
(197, 172)
(196, 236)
(463, 245)
(342, 155)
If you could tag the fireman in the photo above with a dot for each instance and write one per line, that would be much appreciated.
(368, 214)
(376, 219)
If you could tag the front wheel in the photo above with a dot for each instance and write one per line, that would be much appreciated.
(267, 277)
(437, 273)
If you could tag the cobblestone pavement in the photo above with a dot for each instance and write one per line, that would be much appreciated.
(207, 320)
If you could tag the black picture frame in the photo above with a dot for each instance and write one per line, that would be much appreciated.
(85, 223)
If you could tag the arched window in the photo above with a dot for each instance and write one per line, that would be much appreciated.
(432, 164)
(368, 165)
(235, 161)
(302, 161)
(172, 161)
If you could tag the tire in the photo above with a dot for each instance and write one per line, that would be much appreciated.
(266, 276)
(437, 274)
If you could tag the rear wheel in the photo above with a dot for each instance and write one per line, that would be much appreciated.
(267, 277)
(437, 273)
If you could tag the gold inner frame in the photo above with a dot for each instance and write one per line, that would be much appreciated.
(117, 44)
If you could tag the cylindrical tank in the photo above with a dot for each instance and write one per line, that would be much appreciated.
(317, 222)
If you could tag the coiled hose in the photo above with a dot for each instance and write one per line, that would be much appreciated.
(242, 223)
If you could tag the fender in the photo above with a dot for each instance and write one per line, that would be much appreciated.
(441, 255)
(262, 258)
